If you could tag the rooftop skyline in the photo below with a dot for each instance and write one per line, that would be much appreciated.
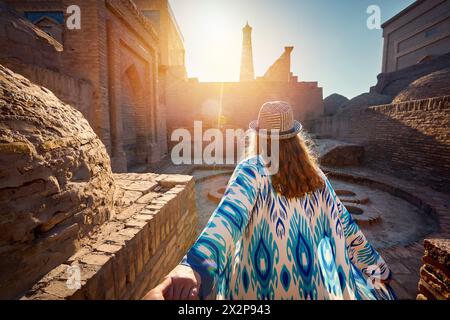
(338, 50)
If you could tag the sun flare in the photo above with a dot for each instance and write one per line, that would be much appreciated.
(219, 38)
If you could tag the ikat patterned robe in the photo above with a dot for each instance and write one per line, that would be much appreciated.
(260, 245)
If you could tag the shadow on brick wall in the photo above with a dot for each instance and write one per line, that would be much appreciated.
(410, 140)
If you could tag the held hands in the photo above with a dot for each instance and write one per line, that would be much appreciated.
(182, 283)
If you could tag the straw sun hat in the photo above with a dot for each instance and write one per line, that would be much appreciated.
(276, 119)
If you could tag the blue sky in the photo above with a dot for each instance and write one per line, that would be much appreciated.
(332, 44)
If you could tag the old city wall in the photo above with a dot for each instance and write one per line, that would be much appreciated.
(154, 228)
(409, 139)
(76, 92)
(79, 57)
(116, 53)
(43, 64)
(131, 62)
(236, 103)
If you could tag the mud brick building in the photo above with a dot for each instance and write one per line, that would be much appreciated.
(124, 69)
(417, 33)
(116, 55)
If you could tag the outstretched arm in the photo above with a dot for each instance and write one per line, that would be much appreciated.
(360, 251)
(208, 256)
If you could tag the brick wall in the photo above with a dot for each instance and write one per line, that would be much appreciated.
(132, 52)
(410, 139)
(237, 102)
(114, 37)
(76, 92)
(80, 55)
(42, 65)
(130, 254)
(434, 277)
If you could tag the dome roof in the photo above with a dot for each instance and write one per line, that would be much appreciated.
(333, 102)
(434, 84)
(56, 182)
(368, 99)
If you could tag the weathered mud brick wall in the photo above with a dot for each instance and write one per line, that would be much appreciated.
(108, 69)
(43, 64)
(132, 252)
(56, 183)
(409, 139)
(434, 283)
(61, 206)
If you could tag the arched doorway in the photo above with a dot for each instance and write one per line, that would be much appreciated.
(133, 117)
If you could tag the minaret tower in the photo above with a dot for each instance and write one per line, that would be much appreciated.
(247, 71)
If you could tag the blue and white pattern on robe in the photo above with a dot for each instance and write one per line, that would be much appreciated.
(301, 248)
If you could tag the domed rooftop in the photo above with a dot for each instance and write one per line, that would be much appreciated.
(434, 84)
(367, 99)
(333, 102)
(56, 182)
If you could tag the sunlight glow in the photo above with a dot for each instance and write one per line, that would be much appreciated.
(332, 44)
(219, 40)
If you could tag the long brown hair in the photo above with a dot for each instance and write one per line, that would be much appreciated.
(298, 172)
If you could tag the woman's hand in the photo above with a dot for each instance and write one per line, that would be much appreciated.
(182, 283)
